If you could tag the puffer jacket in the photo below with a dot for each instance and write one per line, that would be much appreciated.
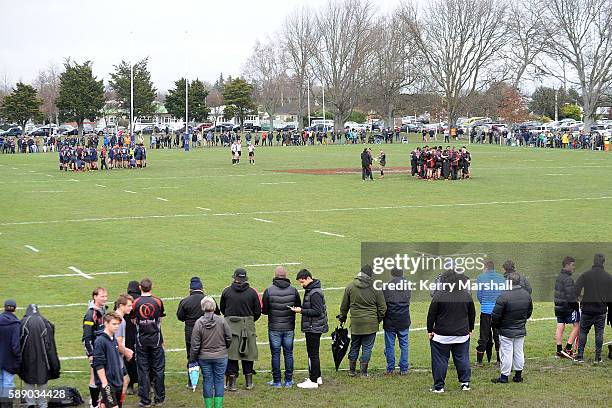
(565, 294)
(511, 311)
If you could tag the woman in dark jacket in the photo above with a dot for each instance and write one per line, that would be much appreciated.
(210, 339)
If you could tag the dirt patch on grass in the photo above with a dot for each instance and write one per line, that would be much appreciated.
(341, 170)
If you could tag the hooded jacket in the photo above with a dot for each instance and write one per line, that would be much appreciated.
(597, 285)
(565, 294)
(210, 339)
(276, 302)
(397, 317)
(39, 360)
(130, 328)
(106, 355)
(10, 353)
(189, 311)
(451, 313)
(239, 299)
(367, 305)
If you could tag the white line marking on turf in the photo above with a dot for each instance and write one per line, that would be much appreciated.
(75, 180)
(49, 175)
(276, 264)
(330, 234)
(63, 275)
(202, 208)
(15, 168)
(280, 182)
(313, 210)
(46, 191)
(100, 185)
(298, 340)
(262, 220)
(32, 171)
(129, 191)
(161, 199)
(31, 248)
(79, 272)
(155, 188)
(559, 174)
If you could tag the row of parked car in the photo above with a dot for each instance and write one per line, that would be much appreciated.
(51, 129)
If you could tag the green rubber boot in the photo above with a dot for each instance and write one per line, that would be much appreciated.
(218, 402)
(208, 402)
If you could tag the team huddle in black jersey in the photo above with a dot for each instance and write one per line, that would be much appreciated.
(435, 163)
(80, 158)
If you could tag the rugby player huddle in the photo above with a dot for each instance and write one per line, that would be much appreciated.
(435, 163)
(80, 158)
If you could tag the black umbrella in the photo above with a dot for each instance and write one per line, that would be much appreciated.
(340, 344)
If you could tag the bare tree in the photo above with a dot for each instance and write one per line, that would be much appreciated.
(457, 40)
(266, 70)
(579, 32)
(343, 56)
(393, 68)
(47, 85)
(526, 39)
(299, 38)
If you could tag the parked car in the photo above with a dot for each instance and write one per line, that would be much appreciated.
(251, 127)
(14, 131)
(42, 131)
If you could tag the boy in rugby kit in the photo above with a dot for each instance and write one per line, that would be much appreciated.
(251, 149)
(103, 158)
(93, 325)
(107, 363)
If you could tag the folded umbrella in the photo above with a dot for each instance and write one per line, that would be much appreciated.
(340, 344)
(194, 375)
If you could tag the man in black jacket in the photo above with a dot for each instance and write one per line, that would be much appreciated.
(10, 353)
(512, 309)
(241, 306)
(566, 308)
(93, 325)
(189, 310)
(450, 322)
(366, 165)
(397, 321)
(597, 286)
(108, 364)
(133, 290)
(277, 301)
(39, 360)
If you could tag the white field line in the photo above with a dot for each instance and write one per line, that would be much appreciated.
(262, 220)
(161, 199)
(46, 191)
(301, 340)
(15, 168)
(559, 174)
(330, 234)
(280, 182)
(165, 299)
(79, 272)
(274, 264)
(129, 191)
(100, 185)
(49, 175)
(31, 248)
(156, 188)
(315, 210)
(75, 180)
(202, 208)
(32, 171)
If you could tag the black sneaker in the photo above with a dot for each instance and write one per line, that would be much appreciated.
(499, 380)
(465, 386)
(517, 379)
(579, 359)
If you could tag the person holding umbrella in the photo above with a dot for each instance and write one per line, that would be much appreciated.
(314, 324)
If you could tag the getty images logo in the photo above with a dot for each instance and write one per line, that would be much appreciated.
(425, 262)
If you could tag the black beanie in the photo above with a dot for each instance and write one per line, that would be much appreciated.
(367, 270)
(195, 284)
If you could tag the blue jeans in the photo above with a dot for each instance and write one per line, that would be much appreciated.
(366, 343)
(402, 338)
(213, 371)
(282, 339)
(7, 383)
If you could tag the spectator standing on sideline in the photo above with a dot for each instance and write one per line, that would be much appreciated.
(39, 360)
(10, 352)
(450, 322)
(93, 325)
(148, 312)
(241, 306)
(488, 335)
(211, 338)
(397, 322)
(189, 311)
(108, 364)
(123, 307)
(276, 303)
(595, 286)
(133, 290)
(512, 309)
(314, 324)
(567, 310)
(509, 268)
(367, 307)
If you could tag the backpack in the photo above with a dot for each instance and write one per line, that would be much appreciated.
(65, 397)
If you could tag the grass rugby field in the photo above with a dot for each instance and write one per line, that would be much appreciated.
(194, 214)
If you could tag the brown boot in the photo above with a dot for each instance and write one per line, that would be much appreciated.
(352, 368)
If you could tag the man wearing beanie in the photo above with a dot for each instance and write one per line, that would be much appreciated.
(595, 287)
(10, 352)
(189, 311)
(367, 307)
(241, 306)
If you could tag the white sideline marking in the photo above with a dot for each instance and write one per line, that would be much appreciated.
(155, 188)
(276, 264)
(49, 175)
(202, 208)
(330, 234)
(100, 185)
(299, 340)
(315, 210)
(32, 171)
(15, 168)
(262, 220)
(46, 191)
(75, 180)
(31, 248)
(559, 174)
(129, 191)
(165, 299)
(79, 272)
(161, 199)
(280, 182)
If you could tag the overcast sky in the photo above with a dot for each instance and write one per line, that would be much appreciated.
(200, 38)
